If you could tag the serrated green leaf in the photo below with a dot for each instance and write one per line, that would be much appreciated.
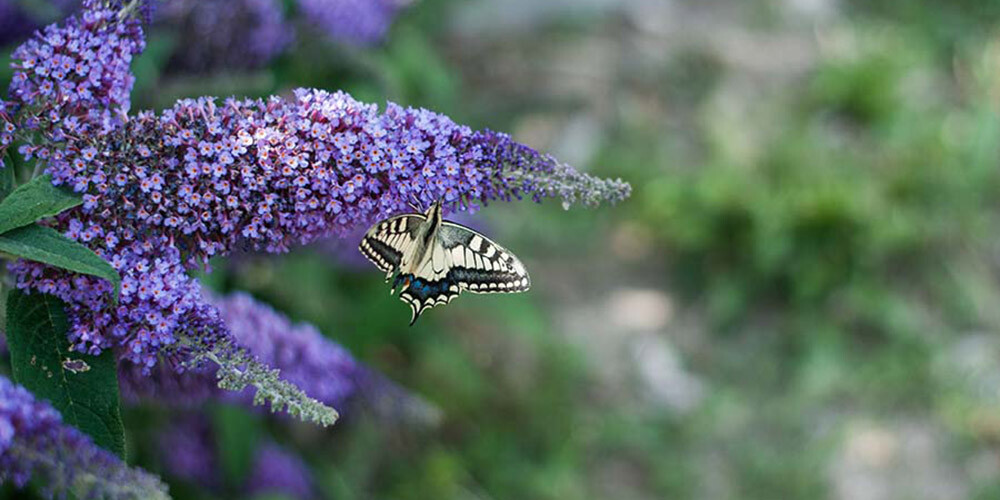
(83, 388)
(34, 200)
(46, 245)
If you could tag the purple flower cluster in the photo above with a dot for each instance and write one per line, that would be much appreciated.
(35, 443)
(360, 22)
(275, 470)
(157, 297)
(189, 452)
(74, 80)
(7, 129)
(163, 194)
(323, 369)
(15, 23)
(225, 33)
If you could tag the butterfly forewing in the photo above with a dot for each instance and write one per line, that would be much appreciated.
(387, 242)
(480, 265)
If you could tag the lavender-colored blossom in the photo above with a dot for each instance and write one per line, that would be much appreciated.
(163, 194)
(73, 80)
(231, 34)
(35, 443)
(359, 22)
(275, 470)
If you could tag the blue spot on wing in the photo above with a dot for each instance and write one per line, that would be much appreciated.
(422, 289)
(421, 294)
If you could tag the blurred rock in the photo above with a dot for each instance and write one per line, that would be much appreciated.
(665, 382)
(895, 461)
(640, 309)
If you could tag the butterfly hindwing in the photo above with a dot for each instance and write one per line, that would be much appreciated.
(422, 294)
(387, 242)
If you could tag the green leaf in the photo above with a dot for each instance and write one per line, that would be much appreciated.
(46, 245)
(83, 388)
(34, 200)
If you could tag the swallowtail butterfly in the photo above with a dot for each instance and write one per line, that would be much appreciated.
(435, 260)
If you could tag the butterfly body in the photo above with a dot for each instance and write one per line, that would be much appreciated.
(435, 260)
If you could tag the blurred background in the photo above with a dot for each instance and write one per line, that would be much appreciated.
(801, 299)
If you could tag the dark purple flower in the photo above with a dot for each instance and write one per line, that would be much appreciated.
(188, 450)
(231, 34)
(360, 22)
(166, 193)
(35, 443)
(275, 470)
(15, 23)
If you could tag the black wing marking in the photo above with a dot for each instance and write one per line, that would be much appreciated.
(387, 241)
(480, 265)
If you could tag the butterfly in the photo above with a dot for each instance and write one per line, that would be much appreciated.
(435, 260)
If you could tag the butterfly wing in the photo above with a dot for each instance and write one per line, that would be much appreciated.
(461, 259)
(388, 241)
(479, 265)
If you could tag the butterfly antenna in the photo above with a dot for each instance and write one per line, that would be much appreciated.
(414, 204)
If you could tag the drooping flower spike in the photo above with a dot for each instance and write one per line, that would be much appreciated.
(35, 443)
(163, 194)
